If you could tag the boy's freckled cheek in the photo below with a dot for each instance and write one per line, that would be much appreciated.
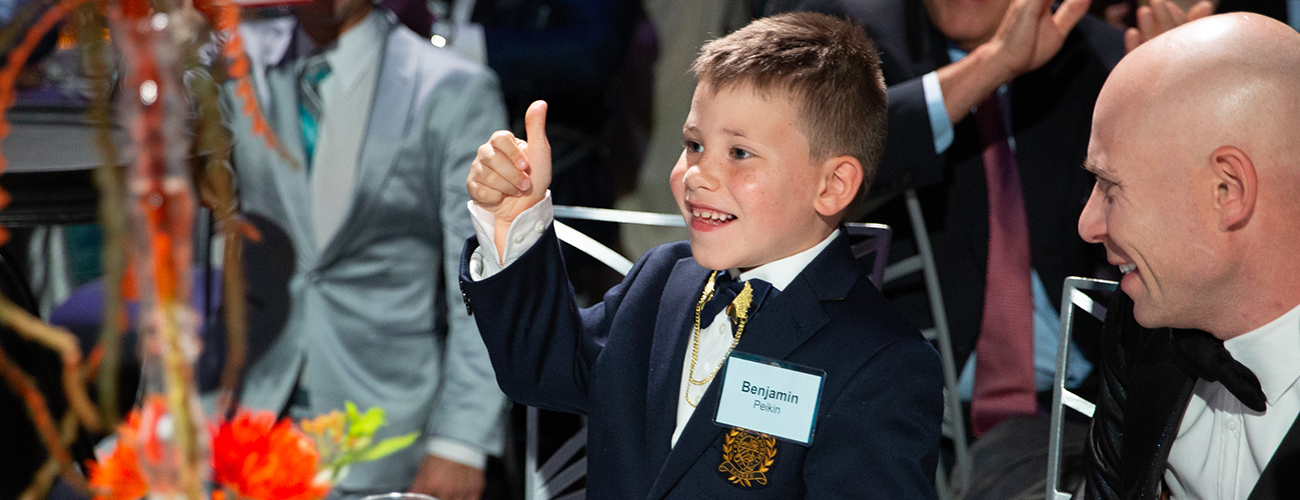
(747, 181)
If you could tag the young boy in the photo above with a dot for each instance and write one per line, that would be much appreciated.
(785, 129)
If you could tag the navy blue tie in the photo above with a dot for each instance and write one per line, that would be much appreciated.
(726, 289)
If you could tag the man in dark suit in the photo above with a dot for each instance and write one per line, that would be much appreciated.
(1036, 74)
(1196, 200)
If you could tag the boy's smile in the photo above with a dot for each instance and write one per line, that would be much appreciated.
(705, 218)
(745, 182)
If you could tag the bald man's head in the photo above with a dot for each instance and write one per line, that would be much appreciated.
(1195, 146)
(1226, 79)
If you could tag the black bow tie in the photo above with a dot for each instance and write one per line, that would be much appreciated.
(1202, 355)
(726, 289)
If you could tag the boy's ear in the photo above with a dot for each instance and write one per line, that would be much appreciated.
(841, 179)
(1235, 186)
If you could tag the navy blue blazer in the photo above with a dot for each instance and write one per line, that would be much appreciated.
(620, 362)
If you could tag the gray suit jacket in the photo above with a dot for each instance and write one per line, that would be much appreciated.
(374, 317)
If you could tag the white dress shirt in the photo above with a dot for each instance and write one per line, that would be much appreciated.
(715, 340)
(346, 95)
(1222, 446)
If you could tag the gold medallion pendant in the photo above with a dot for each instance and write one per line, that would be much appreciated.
(746, 457)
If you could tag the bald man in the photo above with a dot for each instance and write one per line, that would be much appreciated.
(1196, 150)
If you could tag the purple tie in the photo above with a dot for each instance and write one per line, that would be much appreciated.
(1004, 366)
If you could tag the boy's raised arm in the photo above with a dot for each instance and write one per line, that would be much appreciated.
(510, 175)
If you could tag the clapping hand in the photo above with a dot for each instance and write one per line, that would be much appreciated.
(1161, 16)
(1031, 34)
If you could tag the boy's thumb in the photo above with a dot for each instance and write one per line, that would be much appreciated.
(535, 126)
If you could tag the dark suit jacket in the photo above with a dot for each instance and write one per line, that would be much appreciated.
(1051, 117)
(1139, 410)
(620, 363)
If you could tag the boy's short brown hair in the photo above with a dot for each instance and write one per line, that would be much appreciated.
(827, 64)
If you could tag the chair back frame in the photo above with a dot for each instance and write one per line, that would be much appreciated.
(1072, 297)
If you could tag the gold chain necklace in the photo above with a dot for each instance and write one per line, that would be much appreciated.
(738, 311)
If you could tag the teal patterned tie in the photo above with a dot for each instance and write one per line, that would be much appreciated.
(309, 101)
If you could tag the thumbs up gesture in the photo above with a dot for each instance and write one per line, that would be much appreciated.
(510, 175)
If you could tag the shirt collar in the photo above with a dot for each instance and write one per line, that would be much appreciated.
(782, 271)
(356, 49)
(955, 53)
(352, 53)
(1271, 352)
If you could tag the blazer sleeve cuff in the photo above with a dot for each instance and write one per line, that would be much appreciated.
(457, 451)
(524, 232)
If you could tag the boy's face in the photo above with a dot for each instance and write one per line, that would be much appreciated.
(745, 182)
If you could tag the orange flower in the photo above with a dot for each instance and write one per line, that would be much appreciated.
(260, 459)
(327, 431)
(119, 477)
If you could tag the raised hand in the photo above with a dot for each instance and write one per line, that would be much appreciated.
(510, 175)
(1160, 16)
(1031, 34)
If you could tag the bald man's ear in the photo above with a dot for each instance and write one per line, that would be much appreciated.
(1236, 186)
(841, 178)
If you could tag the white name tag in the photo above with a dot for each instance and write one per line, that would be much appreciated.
(770, 396)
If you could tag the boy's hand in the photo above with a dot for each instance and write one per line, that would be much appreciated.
(509, 175)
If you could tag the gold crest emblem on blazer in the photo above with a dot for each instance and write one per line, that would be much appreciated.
(746, 457)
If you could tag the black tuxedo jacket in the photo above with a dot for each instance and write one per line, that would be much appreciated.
(1051, 117)
(1139, 410)
(620, 363)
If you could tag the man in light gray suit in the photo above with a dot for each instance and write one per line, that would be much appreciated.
(382, 127)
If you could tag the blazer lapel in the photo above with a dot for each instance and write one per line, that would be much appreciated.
(787, 321)
(290, 179)
(1153, 411)
(781, 326)
(700, 432)
(387, 125)
(1281, 477)
(672, 335)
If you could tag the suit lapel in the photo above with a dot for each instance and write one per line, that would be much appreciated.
(672, 334)
(786, 322)
(1154, 411)
(1281, 477)
(387, 125)
(290, 179)
(700, 432)
(781, 326)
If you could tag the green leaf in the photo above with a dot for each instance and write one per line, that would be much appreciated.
(352, 411)
(367, 423)
(388, 446)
